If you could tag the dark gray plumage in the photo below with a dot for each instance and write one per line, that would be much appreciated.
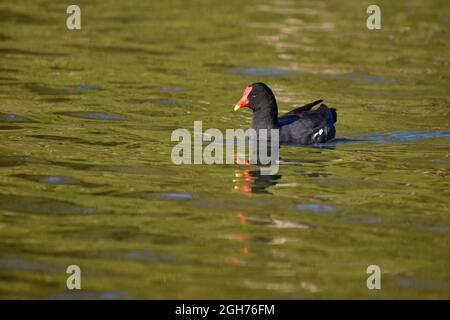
(299, 126)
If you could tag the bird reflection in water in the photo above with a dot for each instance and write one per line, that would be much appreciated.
(242, 238)
(252, 181)
(248, 181)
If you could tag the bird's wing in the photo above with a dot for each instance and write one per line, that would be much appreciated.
(301, 109)
(287, 119)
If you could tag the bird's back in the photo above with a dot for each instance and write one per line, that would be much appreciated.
(308, 126)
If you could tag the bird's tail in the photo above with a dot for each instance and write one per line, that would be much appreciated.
(333, 114)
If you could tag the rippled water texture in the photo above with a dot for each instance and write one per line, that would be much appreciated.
(86, 177)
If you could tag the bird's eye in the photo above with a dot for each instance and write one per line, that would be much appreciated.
(253, 95)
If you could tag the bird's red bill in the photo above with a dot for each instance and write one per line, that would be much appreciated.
(243, 102)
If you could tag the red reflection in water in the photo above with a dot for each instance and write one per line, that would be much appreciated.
(240, 237)
(244, 183)
(242, 218)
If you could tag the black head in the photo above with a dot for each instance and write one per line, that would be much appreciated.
(261, 100)
(256, 96)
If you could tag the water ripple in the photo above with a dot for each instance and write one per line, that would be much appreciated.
(261, 71)
(41, 205)
(315, 207)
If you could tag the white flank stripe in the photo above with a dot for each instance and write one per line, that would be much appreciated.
(318, 133)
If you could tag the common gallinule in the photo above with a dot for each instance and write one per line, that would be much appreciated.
(299, 126)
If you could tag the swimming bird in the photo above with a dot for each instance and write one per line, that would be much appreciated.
(299, 126)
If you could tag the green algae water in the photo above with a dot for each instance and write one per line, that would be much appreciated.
(86, 176)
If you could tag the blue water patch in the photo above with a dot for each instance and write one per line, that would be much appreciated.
(87, 87)
(80, 88)
(101, 115)
(173, 88)
(16, 263)
(360, 78)
(89, 210)
(376, 79)
(419, 284)
(10, 117)
(89, 295)
(57, 179)
(440, 228)
(176, 195)
(149, 256)
(167, 102)
(315, 207)
(401, 136)
(405, 135)
(94, 115)
(261, 71)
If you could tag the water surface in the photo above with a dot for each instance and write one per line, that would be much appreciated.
(85, 171)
